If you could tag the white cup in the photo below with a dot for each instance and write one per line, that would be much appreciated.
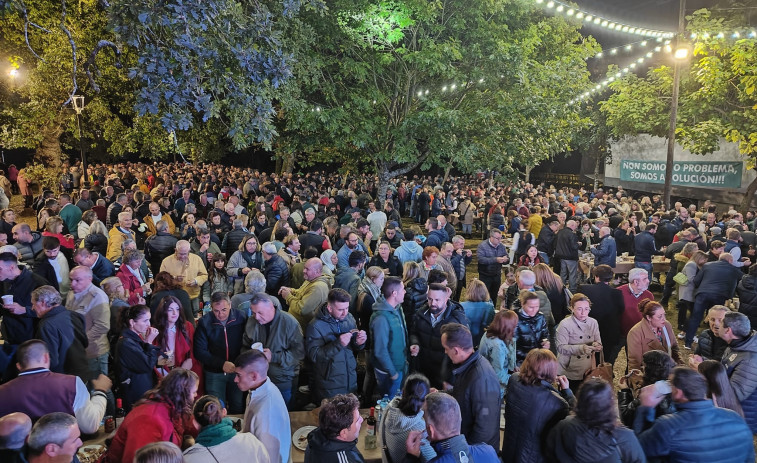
(257, 346)
(7, 299)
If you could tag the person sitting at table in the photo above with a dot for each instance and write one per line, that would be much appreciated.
(266, 415)
(14, 428)
(160, 416)
(335, 439)
(159, 452)
(218, 440)
(653, 332)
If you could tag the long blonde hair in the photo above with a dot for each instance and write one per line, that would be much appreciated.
(546, 278)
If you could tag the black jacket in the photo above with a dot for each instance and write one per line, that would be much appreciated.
(710, 346)
(158, 247)
(96, 242)
(717, 279)
(747, 292)
(63, 332)
(44, 268)
(644, 247)
(335, 365)
(216, 343)
(415, 297)
(623, 241)
(566, 245)
(546, 241)
(431, 359)
(321, 449)
(607, 307)
(529, 334)
(394, 265)
(135, 361)
(530, 413)
(476, 389)
(232, 240)
(276, 275)
(19, 328)
(572, 441)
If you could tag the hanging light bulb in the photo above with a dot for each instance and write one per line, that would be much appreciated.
(570, 12)
(559, 8)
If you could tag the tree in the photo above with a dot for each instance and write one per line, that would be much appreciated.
(594, 140)
(407, 83)
(718, 99)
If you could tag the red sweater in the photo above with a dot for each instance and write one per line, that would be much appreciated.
(145, 424)
(631, 314)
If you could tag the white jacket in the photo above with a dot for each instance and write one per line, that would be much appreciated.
(244, 447)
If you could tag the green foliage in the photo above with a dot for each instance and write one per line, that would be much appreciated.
(46, 177)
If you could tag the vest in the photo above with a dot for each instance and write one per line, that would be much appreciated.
(37, 393)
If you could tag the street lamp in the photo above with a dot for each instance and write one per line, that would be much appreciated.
(681, 53)
(78, 103)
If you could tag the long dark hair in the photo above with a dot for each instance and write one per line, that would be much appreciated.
(174, 391)
(161, 322)
(414, 394)
(657, 366)
(213, 272)
(596, 406)
(718, 385)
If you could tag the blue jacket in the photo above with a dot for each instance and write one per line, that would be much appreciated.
(606, 252)
(436, 238)
(718, 279)
(409, 251)
(697, 432)
(740, 361)
(644, 247)
(389, 337)
(479, 314)
(449, 451)
(216, 343)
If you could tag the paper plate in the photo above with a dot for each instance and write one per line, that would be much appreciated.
(300, 437)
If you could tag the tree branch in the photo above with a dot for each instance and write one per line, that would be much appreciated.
(73, 51)
(28, 23)
(90, 67)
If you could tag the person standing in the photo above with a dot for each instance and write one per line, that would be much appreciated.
(577, 340)
(389, 338)
(189, 270)
(492, 255)
(740, 361)
(607, 309)
(566, 250)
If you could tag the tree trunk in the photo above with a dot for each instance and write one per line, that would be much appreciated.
(528, 173)
(49, 152)
(279, 163)
(746, 202)
(597, 165)
(447, 171)
(288, 163)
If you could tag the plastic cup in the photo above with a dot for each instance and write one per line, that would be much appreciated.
(7, 299)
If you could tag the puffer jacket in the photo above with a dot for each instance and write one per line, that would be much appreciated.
(321, 449)
(415, 297)
(627, 406)
(276, 275)
(334, 365)
(529, 333)
(232, 240)
(710, 346)
(740, 361)
(571, 441)
(456, 449)
(216, 343)
(476, 389)
(28, 252)
(436, 238)
(96, 242)
(530, 413)
(431, 360)
(747, 292)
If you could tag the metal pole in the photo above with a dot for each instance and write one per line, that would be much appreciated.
(83, 154)
(673, 116)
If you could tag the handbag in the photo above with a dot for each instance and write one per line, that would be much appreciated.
(681, 278)
(602, 370)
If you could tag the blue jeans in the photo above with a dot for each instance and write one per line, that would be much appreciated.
(223, 386)
(569, 273)
(646, 266)
(544, 257)
(286, 392)
(386, 385)
(702, 303)
(467, 229)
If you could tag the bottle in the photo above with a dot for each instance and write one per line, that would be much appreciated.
(385, 402)
(120, 414)
(378, 410)
(371, 423)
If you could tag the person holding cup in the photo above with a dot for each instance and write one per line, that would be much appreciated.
(175, 338)
(136, 357)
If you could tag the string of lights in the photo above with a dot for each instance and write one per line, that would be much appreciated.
(592, 19)
(627, 48)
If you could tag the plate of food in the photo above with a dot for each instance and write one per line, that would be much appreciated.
(90, 453)
(300, 437)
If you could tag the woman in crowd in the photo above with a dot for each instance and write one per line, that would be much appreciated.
(54, 227)
(624, 236)
(117, 296)
(479, 309)
(656, 366)
(386, 260)
(260, 223)
(552, 284)
(134, 281)
(136, 357)
(416, 287)
(218, 441)
(165, 285)
(139, 230)
(593, 432)
(96, 239)
(428, 260)
(532, 331)
(246, 258)
(577, 341)
(498, 346)
(330, 260)
(653, 332)
(368, 293)
(187, 230)
(161, 416)
(719, 387)
(496, 219)
(522, 239)
(531, 258)
(586, 236)
(176, 336)
(218, 280)
(42, 216)
(690, 268)
(534, 406)
(405, 414)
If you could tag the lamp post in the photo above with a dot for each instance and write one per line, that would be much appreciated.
(78, 102)
(680, 54)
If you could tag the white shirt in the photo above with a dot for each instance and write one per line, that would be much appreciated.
(267, 418)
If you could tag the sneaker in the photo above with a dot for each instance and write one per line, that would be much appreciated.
(305, 389)
(686, 347)
(696, 339)
(681, 335)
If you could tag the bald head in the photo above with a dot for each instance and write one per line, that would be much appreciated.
(313, 269)
(14, 428)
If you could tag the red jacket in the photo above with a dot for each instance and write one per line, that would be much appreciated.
(183, 351)
(130, 283)
(144, 425)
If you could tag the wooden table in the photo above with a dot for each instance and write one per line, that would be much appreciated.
(623, 266)
(300, 419)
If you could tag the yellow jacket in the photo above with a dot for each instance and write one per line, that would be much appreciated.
(115, 238)
(151, 225)
(305, 300)
(192, 270)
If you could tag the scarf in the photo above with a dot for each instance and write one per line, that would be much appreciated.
(216, 434)
(368, 286)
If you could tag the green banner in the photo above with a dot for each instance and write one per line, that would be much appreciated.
(685, 173)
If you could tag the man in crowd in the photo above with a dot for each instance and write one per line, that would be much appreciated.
(335, 439)
(715, 283)
(28, 243)
(740, 361)
(634, 292)
(276, 271)
(443, 423)
(188, 270)
(55, 438)
(476, 386)
(331, 342)
(436, 235)
(460, 259)
(38, 391)
(70, 214)
(606, 251)
(14, 427)
(280, 337)
(645, 248)
(101, 267)
(159, 245)
(90, 301)
(389, 338)
(305, 300)
(377, 220)
(492, 255)
(18, 282)
(120, 232)
(683, 435)
(607, 308)
(115, 208)
(53, 265)
(545, 243)
(352, 243)
(566, 250)
(203, 246)
(348, 278)
(266, 414)
(426, 333)
(444, 260)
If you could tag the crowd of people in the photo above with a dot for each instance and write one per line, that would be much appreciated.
(181, 293)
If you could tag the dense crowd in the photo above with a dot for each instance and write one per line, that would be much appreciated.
(180, 293)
